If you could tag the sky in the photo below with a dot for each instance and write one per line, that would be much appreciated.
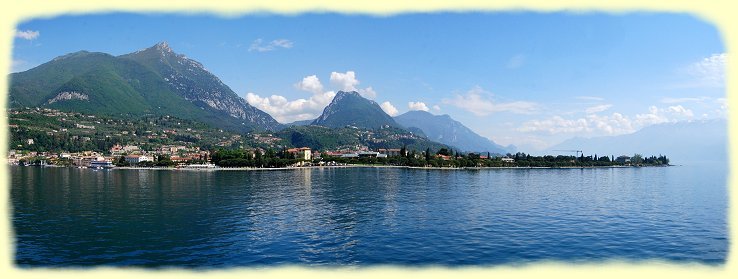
(522, 78)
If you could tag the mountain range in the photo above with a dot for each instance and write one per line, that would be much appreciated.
(154, 80)
(682, 142)
(444, 129)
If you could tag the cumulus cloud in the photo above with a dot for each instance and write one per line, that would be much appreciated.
(710, 71)
(345, 81)
(27, 34)
(389, 109)
(417, 106)
(261, 46)
(436, 108)
(310, 84)
(285, 110)
(681, 111)
(300, 109)
(348, 82)
(598, 108)
(368, 93)
(478, 102)
(613, 124)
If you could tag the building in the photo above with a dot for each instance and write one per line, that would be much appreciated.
(135, 159)
(101, 162)
(391, 151)
(444, 157)
(507, 160)
(302, 153)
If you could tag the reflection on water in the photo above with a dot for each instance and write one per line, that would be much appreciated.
(69, 216)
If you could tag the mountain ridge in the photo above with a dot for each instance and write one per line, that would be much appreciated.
(682, 142)
(154, 80)
(446, 130)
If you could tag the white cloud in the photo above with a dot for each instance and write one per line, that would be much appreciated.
(590, 98)
(436, 108)
(681, 111)
(260, 46)
(300, 109)
(613, 124)
(345, 81)
(668, 100)
(308, 108)
(27, 34)
(610, 124)
(710, 71)
(516, 61)
(286, 111)
(417, 106)
(368, 93)
(477, 102)
(598, 108)
(389, 108)
(310, 84)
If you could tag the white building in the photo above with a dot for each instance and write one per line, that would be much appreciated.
(135, 159)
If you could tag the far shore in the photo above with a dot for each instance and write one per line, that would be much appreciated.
(355, 166)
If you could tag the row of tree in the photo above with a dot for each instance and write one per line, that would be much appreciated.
(253, 158)
(443, 158)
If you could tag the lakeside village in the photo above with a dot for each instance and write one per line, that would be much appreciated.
(47, 137)
(180, 156)
(169, 156)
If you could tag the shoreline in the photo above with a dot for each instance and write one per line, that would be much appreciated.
(347, 166)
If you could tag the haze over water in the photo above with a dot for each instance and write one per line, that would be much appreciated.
(366, 216)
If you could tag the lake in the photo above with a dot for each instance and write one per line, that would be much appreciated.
(366, 216)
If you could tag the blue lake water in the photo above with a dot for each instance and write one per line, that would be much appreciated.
(367, 216)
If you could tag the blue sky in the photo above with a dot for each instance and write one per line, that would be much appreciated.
(529, 79)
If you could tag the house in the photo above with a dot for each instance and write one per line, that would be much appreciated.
(507, 160)
(391, 151)
(444, 157)
(135, 159)
(302, 153)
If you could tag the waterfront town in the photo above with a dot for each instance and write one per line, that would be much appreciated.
(48, 137)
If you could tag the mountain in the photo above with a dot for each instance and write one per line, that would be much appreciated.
(444, 129)
(350, 109)
(300, 123)
(682, 142)
(155, 81)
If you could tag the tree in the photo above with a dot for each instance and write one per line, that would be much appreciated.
(427, 154)
(636, 159)
(444, 151)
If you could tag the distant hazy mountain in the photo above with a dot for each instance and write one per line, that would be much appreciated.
(151, 81)
(444, 129)
(299, 123)
(349, 108)
(682, 142)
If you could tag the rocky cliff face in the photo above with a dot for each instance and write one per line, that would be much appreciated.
(192, 81)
